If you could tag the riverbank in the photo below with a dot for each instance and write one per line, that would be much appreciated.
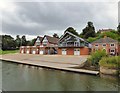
(58, 62)
(8, 52)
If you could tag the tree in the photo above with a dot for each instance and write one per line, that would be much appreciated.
(72, 30)
(8, 42)
(89, 30)
(55, 35)
(24, 41)
(18, 41)
(118, 28)
(31, 42)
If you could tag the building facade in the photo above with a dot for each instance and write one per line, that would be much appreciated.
(70, 44)
(43, 45)
(110, 45)
(105, 30)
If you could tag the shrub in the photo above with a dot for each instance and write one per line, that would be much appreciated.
(96, 57)
(110, 62)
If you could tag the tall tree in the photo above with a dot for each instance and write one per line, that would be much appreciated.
(89, 30)
(24, 41)
(118, 28)
(31, 42)
(8, 42)
(72, 30)
(55, 35)
(18, 41)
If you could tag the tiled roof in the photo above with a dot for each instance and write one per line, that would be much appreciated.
(105, 40)
(52, 39)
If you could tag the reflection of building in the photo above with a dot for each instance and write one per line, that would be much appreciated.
(45, 45)
(70, 44)
(110, 45)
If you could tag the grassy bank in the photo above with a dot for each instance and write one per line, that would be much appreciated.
(110, 62)
(8, 52)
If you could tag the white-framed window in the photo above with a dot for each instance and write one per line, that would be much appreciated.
(112, 50)
(96, 45)
(104, 45)
(112, 45)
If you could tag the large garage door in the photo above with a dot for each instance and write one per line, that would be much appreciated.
(64, 52)
(22, 51)
(41, 52)
(33, 52)
(76, 51)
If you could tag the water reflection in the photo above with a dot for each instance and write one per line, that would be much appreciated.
(0, 75)
(22, 78)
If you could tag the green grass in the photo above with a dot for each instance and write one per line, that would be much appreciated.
(8, 52)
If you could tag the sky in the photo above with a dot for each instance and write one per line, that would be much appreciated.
(40, 18)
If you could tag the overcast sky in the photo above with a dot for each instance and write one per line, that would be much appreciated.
(40, 18)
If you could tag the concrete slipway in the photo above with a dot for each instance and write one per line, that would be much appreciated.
(57, 62)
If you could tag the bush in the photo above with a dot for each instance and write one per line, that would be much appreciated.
(96, 57)
(91, 39)
(110, 62)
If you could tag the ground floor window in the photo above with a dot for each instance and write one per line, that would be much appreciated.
(112, 51)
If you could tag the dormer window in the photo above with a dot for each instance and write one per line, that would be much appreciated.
(112, 45)
(45, 41)
(37, 42)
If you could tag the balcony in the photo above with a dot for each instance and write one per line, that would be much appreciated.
(71, 45)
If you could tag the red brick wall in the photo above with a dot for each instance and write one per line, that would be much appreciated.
(70, 51)
(119, 49)
(84, 51)
(100, 47)
(59, 50)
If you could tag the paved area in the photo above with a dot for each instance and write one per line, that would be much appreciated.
(55, 60)
(52, 61)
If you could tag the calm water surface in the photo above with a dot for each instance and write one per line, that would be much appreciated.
(22, 78)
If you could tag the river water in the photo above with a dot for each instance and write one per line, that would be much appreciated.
(21, 78)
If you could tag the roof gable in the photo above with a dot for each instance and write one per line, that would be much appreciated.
(39, 39)
(51, 39)
(71, 35)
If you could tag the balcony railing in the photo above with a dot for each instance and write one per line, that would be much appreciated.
(71, 45)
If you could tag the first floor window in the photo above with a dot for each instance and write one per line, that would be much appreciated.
(104, 45)
(96, 45)
(112, 45)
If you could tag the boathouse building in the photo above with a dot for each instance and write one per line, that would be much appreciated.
(70, 44)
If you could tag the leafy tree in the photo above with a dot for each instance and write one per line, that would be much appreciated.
(89, 30)
(31, 42)
(24, 41)
(72, 30)
(8, 42)
(118, 28)
(55, 35)
(91, 39)
(18, 41)
(96, 57)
